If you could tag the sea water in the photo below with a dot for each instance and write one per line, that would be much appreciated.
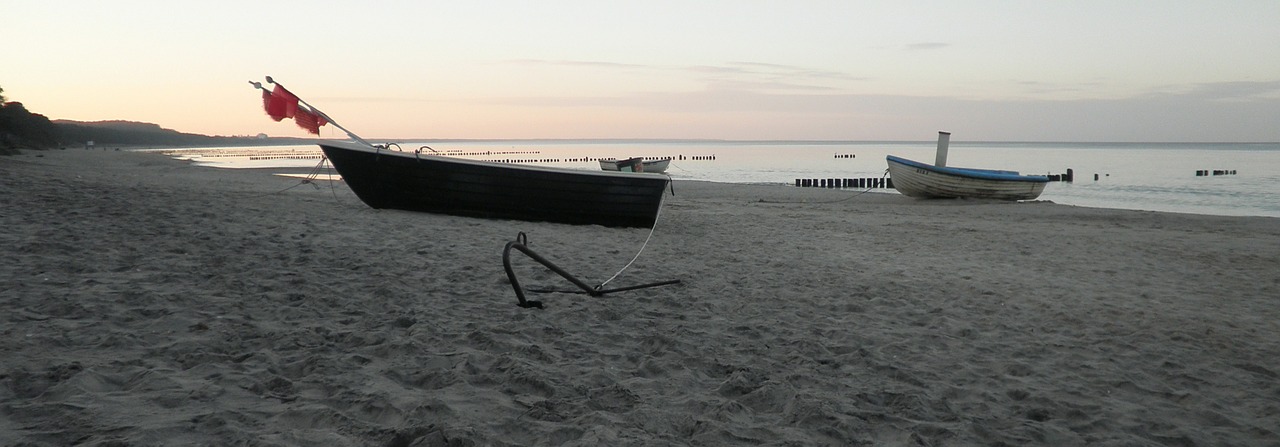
(1138, 176)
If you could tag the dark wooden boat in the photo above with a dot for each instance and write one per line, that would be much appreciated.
(385, 178)
(412, 181)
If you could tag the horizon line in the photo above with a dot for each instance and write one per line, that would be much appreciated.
(784, 140)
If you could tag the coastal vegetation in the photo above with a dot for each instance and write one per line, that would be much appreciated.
(22, 129)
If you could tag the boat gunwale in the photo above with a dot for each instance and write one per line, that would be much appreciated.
(984, 174)
(351, 145)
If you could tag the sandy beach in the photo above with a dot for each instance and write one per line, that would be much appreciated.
(144, 301)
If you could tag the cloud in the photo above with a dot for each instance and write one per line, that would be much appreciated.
(739, 68)
(1041, 89)
(767, 77)
(924, 46)
(1200, 116)
(792, 70)
(1236, 91)
(573, 63)
(752, 99)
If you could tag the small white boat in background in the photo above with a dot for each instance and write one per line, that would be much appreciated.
(916, 179)
(658, 166)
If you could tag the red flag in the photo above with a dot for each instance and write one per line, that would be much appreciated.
(283, 104)
(308, 120)
(266, 101)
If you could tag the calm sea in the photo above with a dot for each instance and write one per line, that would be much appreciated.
(1139, 176)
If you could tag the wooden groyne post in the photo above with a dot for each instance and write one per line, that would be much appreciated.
(1069, 177)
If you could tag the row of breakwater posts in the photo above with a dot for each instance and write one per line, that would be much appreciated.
(845, 183)
(1206, 172)
(287, 157)
(249, 155)
(591, 159)
(886, 182)
(463, 153)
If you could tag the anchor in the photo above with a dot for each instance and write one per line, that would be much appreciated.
(522, 245)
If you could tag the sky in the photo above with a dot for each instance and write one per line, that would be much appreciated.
(985, 70)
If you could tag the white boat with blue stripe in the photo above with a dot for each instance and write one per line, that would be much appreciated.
(922, 180)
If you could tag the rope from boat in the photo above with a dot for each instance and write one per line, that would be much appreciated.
(310, 178)
(646, 240)
(882, 177)
(324, 160)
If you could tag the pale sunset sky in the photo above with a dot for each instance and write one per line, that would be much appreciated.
(1109, 70)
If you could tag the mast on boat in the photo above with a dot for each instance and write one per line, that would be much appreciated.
(944, 142)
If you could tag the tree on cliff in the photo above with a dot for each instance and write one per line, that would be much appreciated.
(20, 128)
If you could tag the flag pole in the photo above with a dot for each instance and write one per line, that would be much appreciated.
(326, 117)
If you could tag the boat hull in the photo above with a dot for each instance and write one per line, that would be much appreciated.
(409, 181)
(915, 179)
